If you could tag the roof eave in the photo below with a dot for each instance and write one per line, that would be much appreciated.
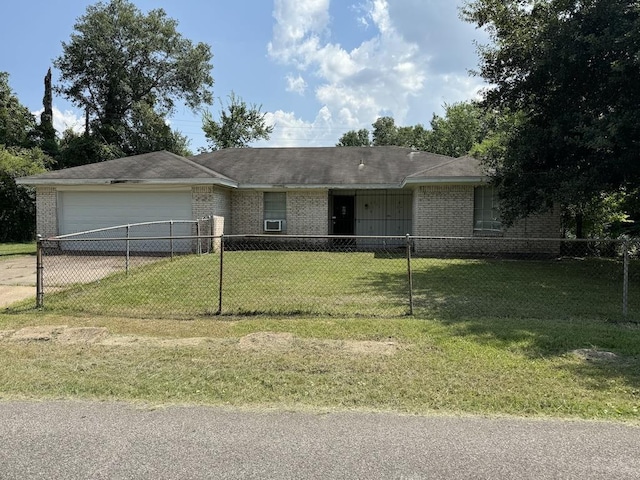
(475, 179)
(318, 186)
(120, 181)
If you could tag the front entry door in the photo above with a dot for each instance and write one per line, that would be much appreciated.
(343, 215)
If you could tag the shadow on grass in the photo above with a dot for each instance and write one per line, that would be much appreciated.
(540, 309)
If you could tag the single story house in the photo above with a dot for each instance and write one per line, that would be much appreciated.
(362, 191)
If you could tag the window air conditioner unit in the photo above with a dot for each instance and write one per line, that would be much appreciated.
(273, 225)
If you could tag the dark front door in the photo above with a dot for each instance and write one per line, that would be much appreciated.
(343, 215)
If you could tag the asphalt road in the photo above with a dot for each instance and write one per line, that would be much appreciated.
(84, 440)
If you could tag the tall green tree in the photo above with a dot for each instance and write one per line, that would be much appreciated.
(17, 202)
(17, 124)
(48, 136)
(120, 62)
(385, 132)
(19, 156)
(238, 125)
(463, 125)
(572, 70)
(355, 138)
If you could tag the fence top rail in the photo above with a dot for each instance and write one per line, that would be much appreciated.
(118, 227)
(321, 237)
(123, 239)
(426, 237)
(75, 237)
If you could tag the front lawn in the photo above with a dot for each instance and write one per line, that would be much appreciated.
(324, 330)
(488, 366)
(351, 284)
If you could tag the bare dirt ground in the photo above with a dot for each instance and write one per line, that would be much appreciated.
(18, 274)
(17, 279)
(259, 341)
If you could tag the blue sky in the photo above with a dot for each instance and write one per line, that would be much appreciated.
(318, 67)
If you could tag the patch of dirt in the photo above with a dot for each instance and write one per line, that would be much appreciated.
(77, 335)
(133, 341)
(271, 341)
(14, 293)
(6, 333)
(266, 341)
(43, 333)
(371, 347)
(592, 355)
(259, 341)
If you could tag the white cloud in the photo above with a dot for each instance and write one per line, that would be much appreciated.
(292, 131)
(401, 69)
(296, 84)
(64, 120)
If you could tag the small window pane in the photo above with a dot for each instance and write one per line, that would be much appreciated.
(486, 214)
(275, 206)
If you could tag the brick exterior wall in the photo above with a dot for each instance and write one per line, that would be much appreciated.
(308, 213)
(208, 200)
(443, 211)
(447, 211)
(46, 211)
(247, 207)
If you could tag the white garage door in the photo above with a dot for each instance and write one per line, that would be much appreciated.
(82, 211)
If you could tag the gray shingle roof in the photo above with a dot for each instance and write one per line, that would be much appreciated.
(149, 166)
(323, 166)
(334, 166)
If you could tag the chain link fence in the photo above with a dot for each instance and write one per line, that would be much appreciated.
(199, 274)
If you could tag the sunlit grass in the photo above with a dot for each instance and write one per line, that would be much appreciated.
(352, 284)
(7, 249)
(488, 366)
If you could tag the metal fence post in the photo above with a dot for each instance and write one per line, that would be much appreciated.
(625, 278)
(199, 245)
(219, 312)
(39, 271)
(212, 231)
(171, 237)
(409, 274)
(126, 262)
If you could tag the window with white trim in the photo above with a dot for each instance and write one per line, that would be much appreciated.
(486, 212)
(275, 207)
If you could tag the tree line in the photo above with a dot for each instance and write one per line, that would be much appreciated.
(126, 71)
(559, 123)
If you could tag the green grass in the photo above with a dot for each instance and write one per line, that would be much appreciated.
(489, 337)
(358, 284)
(7, 249)
(472, 366)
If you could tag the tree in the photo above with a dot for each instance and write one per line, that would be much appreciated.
(385, 132)
(464, 125)
(571, 70)
(149, 132)
(19, 157)
(355, 138)
(17, 124)
(81, 149)
(17, 202)
(120, 62)
(239, 125)
(48, 137)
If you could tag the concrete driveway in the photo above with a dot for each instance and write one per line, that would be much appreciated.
(18, 274)
(17, 279)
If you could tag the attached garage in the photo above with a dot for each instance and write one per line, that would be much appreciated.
(79, 211)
